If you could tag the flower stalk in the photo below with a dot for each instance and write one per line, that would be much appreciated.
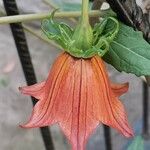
(85, 10)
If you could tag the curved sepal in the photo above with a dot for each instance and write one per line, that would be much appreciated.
(61, 33)
(104, 33)
(108, 28)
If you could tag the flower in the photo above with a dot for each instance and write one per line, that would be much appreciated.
(78, 96)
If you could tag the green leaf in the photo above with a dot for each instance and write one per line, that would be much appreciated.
(137, 144)
(129, 52)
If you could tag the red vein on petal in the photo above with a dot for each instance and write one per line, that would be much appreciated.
(80, 91)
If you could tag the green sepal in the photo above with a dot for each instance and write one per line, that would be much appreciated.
(108, 28)
(129, 52)
(61, 33)
(104, 33)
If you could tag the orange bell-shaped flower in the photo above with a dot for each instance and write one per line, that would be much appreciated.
(78, 96)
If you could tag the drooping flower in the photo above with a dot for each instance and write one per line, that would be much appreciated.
(78, 96)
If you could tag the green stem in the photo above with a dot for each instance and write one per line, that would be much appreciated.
(85, 10)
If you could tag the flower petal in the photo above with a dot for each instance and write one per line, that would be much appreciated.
(111, 111)
(79, 123)
(42, 114)
(36, 90)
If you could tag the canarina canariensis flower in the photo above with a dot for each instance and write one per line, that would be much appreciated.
(78, 96)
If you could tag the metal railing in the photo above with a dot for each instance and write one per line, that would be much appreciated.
(25, 59)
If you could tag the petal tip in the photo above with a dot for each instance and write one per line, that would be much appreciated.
(21, 126)
(25, 126)
(126, 85)
(129, 134)
(20, 89)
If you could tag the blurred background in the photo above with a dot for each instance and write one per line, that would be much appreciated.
(16, 108)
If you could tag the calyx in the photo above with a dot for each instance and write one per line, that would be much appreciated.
(83, 41)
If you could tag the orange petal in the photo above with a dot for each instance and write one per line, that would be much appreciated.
(78, 124)
(110, 110)
(40, 114)
(36, 90)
